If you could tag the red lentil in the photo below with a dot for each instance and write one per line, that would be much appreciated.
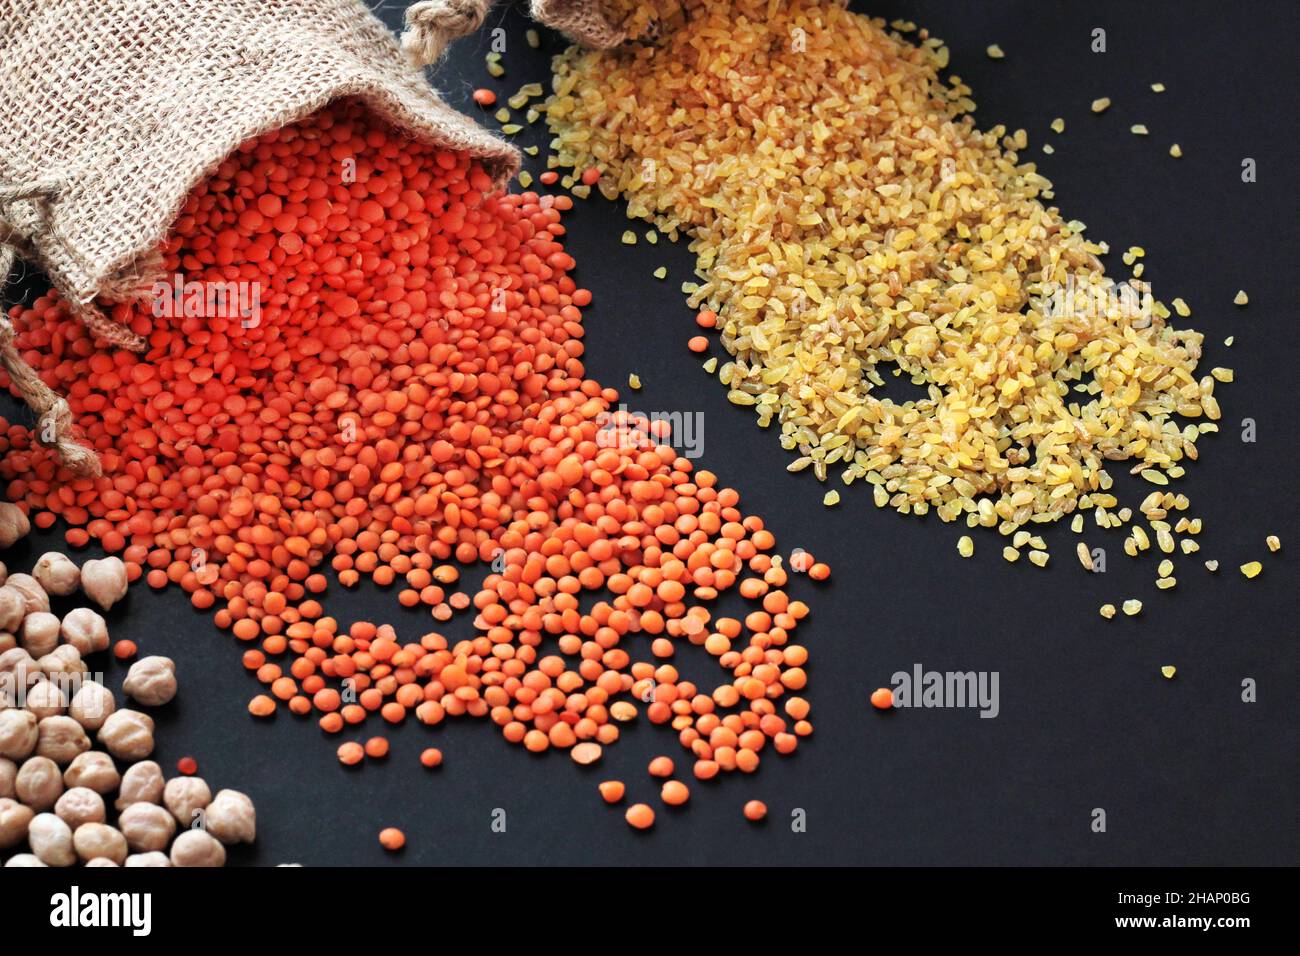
(755, 810)
(882, 698)
(431, 757)
(675, 793)
(411, 398)
(392, 839)
(611, 791)
(639, 816)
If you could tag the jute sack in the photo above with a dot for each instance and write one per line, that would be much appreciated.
(111, 111)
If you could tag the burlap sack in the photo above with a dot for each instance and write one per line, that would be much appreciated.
(111, 111)
(586, 21)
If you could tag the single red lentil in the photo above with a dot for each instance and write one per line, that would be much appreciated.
(639, 816)
(675, 793)
(611, 791)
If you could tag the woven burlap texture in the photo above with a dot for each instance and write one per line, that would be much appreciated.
(111, 111)
(583, 20)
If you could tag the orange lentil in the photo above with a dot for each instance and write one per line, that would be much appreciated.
(431, 757)
(698, 343)
(351, 753)
(675, 793)
(392, 839)
(124, 649)
(706, 319)
(376, 747)
(611, 791)
(661, 767)
(882, 698)
(755, 810)
(435, 322)
(639, 816)
(484, 97)
(188, 766)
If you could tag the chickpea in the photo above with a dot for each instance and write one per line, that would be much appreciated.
(127, 734)
(44, 699)
(142, 783)
(51, 840)
(57, 574)
(91, 705)
(184, 795)
(7, 641)
(197, 848)
(80, 805)
(85, 630)
(104, 581)
(64, 659)
(39, 633)
(18, 734)
(39, 783)
(231, 817)
(14, 818)
(23, 859)
(61, 739)
(153, 858)
(151, 681)
(13, 524)
(93, 770)
(101, 861)
(29, 589)
(94, 840)
(146, 827)
(4, 572)
(13, 608)
(17, 666)
(8, 773)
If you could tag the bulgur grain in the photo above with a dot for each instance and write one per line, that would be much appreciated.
(832, 241)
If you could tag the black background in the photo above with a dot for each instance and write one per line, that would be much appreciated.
(1186, 772)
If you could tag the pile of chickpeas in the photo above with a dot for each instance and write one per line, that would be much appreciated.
(57, 784)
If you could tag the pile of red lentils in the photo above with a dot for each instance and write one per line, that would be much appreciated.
(410, 400)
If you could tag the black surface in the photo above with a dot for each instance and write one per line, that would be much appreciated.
(1187, 772)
